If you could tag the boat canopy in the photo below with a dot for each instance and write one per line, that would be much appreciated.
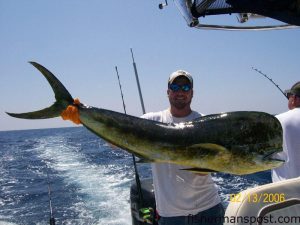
(285, 11)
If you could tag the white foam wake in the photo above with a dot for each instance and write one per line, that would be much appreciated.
(106, 195)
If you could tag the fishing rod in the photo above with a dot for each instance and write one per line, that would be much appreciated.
(124, 107)
(137, 177)
(52, 220)
(266, 76)
(148, 213)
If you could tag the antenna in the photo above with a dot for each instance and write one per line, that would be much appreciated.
(162, 5)
(270, 80)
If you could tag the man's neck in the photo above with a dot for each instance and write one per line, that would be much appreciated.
(180, 112)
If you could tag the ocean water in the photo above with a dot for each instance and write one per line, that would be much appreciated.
(89, 179)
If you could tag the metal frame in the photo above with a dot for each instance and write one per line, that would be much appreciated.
(244, 28)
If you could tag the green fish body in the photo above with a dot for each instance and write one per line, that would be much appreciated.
(235, 142)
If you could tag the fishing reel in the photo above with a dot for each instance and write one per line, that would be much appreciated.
(147, 215)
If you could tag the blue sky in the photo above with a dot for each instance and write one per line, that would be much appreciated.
(81, 42)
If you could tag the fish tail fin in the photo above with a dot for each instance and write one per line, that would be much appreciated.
(62, 96)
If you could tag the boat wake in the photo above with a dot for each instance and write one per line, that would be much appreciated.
(90, 181)
(101, 196)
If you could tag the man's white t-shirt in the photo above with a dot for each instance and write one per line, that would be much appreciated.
(290, 122)
(178, 192)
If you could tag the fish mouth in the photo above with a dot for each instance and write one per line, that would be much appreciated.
(273, 156)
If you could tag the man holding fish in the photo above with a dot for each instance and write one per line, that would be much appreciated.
(183, 197)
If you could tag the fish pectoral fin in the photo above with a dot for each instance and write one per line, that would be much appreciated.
(209, 146)
(200, 170)
(209, 149)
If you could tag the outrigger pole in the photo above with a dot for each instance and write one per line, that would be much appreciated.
(138, 82)
(148, 212)
(137, 177)
(271, 81)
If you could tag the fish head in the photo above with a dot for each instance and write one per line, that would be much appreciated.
(252, 159)
(269, 153)
(273, 158)
(256, 142)
(270, 160)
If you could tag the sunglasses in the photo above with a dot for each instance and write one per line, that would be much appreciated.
(177, 87)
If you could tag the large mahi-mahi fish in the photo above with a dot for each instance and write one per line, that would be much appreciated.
(234, 142)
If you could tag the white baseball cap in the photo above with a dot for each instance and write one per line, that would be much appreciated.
(180, 73)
